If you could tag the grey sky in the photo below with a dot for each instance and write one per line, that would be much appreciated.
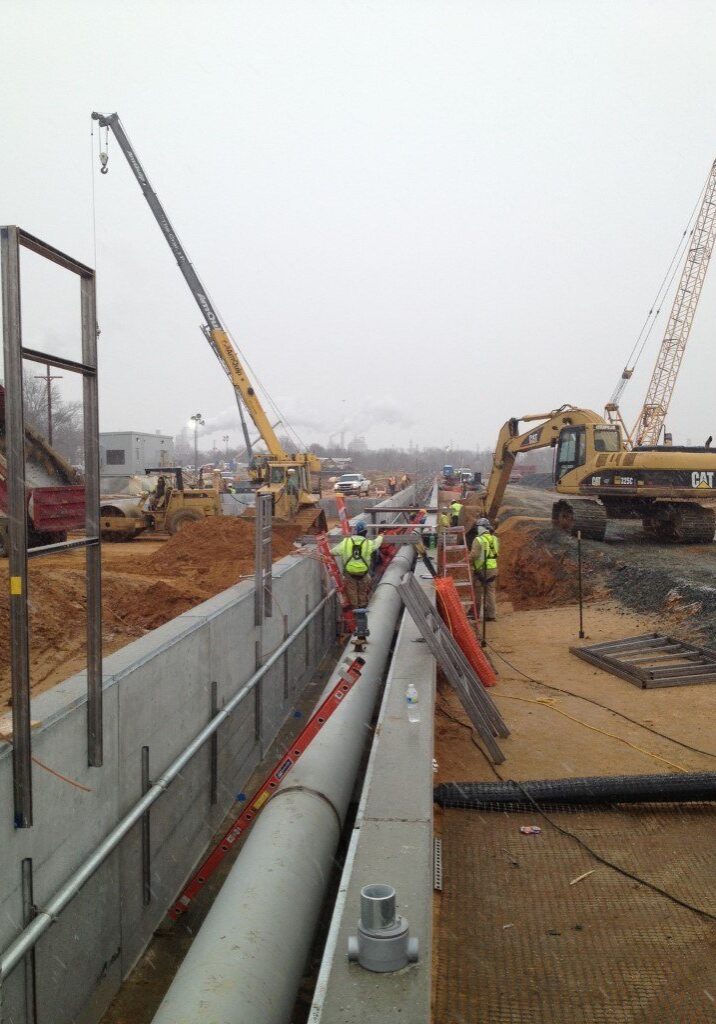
(417, 218)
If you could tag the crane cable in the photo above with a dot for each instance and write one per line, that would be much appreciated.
(661, 293)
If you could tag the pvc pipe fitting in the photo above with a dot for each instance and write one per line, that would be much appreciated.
(383, 943)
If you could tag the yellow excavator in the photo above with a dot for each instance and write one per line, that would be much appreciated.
(601, 478)
(290, 478)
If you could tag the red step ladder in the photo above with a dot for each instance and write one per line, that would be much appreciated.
(349, 676)
(454, 564)
(324, 550)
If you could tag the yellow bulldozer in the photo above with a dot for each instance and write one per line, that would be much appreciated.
(601, 478)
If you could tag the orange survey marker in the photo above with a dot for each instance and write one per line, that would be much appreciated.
(349, 676)
(457, 622)
(324, 550)
(343, 515)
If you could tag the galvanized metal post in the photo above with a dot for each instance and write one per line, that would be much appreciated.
(146, 834)
(214, 749)
(28, 915)
(17, 527)
(93, 563)
(263, 596)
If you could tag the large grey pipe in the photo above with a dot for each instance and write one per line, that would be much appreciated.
(246, 962)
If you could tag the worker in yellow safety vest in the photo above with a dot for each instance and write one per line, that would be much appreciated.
(483, 557)
(456, 508)
(356, 554)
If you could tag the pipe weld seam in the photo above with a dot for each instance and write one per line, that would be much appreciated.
(312, 792)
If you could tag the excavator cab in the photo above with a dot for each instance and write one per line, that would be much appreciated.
(578, 444)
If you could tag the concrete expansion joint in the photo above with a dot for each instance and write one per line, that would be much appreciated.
(312, 792)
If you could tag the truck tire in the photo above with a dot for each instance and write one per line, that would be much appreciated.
(180, 519)
(589, 517)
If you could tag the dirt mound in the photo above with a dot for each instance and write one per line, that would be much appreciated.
(536, 570)
(141, 589)
(221, 542)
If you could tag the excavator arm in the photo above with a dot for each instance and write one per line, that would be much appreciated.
(213, 329)
(512, 441)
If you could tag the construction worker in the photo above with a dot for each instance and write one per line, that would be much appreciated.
(404, 481)
(456, 508)
(356, 553)
(483, 557)
(392, 486)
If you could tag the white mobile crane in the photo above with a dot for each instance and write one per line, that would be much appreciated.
(288, 477)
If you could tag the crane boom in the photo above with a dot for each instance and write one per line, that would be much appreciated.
(661, 386)
(215, 332)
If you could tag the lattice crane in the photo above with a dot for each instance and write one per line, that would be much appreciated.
(650, 422)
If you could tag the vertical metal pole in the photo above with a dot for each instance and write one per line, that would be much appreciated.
(285, 660)
(483, 642)
(146, 835)
(28, 913)
(579, 583)
(17, 527)
(214, 748)
(306, 632)
(93, 558)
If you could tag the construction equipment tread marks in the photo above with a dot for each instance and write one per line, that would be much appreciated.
(680, 522)
(587, 517)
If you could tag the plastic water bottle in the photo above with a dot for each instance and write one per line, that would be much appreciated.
(411, 699)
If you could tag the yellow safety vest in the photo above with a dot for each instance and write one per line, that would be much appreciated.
(490, 546)
(356, 554)
(456, 508)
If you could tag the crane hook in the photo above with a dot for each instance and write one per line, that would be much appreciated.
(103, 159)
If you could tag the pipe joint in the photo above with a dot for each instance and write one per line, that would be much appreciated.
(383, 942)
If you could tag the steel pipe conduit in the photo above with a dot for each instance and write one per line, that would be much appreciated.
(246, 962)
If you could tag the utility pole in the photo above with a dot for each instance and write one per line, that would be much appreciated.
(48, 379)
(225, 439)
(198, 421)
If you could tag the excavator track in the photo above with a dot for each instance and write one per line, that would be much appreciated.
(680, 522)
(587, 517)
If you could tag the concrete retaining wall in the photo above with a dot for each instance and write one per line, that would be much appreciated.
(157, 693)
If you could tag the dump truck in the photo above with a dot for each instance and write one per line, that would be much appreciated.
(601, 478)
(55, 493)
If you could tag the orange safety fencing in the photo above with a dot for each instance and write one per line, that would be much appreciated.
(457, 622)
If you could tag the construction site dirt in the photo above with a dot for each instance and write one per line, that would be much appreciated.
(145, 583)
(549, 932)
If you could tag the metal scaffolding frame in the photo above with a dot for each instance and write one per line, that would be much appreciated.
(12, 239)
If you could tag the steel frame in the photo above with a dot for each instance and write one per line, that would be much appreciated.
(12, 238)
(652, 660)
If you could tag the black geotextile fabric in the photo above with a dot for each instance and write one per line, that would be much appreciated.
(598, 790)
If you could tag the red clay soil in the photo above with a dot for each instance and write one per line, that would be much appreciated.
(145, 583)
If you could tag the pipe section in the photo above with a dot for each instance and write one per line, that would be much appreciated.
(618, 789)
(246, 962)
(47, 914)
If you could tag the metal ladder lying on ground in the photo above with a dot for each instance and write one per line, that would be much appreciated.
(481, 709)
(454, 563)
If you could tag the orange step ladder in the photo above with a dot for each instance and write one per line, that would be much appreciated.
(454, 564)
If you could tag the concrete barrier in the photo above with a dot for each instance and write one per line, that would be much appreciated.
(157, 694)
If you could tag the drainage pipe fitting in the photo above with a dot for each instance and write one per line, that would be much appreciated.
(383, 943)
(246, 961)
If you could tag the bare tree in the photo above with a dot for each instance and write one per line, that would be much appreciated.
(67, 426)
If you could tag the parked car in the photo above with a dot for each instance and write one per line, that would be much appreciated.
(352, 483)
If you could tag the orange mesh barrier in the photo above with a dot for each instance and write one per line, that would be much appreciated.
(458, 623)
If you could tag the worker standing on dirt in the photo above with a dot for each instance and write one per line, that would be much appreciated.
(483, 556)
(456, 508)
(404, 481)
(356, 553)
(392, 484)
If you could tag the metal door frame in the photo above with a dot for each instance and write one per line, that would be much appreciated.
(11, 239)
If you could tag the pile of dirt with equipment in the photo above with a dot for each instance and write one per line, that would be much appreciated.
(144, 584)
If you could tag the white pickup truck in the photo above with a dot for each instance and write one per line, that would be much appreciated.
(352, 483)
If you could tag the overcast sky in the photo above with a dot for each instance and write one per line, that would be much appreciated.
(417, 217)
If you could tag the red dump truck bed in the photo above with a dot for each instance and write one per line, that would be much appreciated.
(52, 509)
